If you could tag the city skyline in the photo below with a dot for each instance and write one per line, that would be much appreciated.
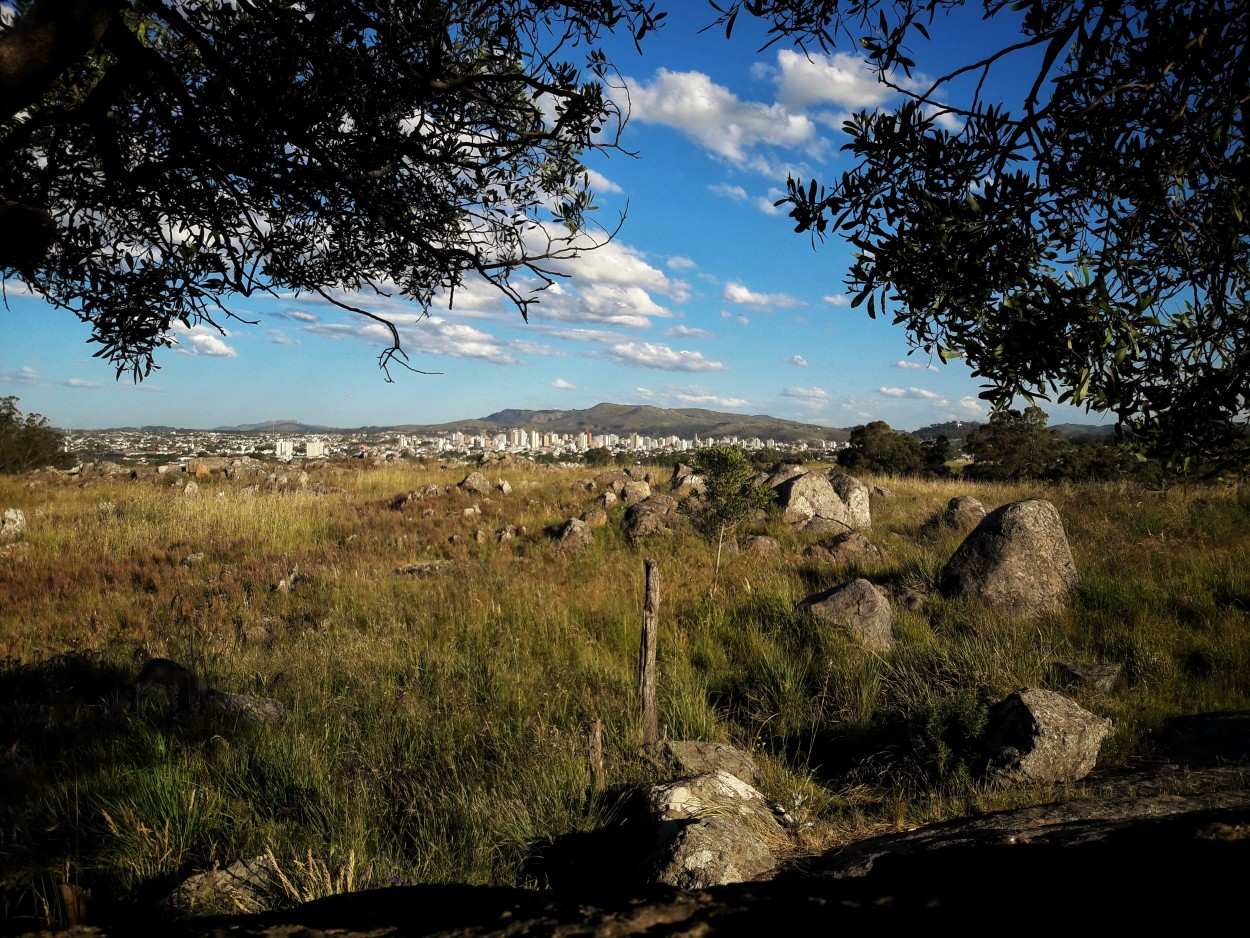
(704, 298)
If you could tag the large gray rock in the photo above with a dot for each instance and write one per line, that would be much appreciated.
(855, 497)
(963, 513)
(860, 608)
(715, 851)
(170, 687)
(655, 515)
(595, 517)
(476, 483)
(1016, 561)
(686, 757)
(810, 495)
(573, 534)
(684, 477)
(245, 886)
(635, 491)
(847, 547)
(1038, 736)
(782, 473)
(711, 829)
(761, 545)
(13, 524)
(242, 707)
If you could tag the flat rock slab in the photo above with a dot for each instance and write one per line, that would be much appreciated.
(1187, 859)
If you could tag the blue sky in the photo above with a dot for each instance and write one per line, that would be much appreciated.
(706, 297)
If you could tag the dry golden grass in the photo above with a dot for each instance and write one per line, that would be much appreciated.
(437, 716)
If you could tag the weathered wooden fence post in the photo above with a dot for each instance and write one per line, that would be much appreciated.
(646, 655)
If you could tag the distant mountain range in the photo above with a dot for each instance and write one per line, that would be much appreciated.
(645, 420)
(602, 418)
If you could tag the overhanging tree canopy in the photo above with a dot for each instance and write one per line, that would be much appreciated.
(160, 156)
(1087, 241)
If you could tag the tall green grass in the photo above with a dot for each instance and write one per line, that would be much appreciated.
(436, 727)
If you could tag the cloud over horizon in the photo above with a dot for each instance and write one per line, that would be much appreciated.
(662, 358)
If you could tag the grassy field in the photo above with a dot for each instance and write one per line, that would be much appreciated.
(437, 720)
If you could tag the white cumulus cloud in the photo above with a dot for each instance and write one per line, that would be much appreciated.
(737, 193)
(797, 360)
(663, 358)
(563, 385)
(691, 395)
(715, 118)
(841, 79)
(735, 292)
(687, 332)
(808, 397)
(916, 394)
(201, 340)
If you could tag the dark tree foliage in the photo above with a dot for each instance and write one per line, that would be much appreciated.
(1097, 462)
(26, 440)
(598, 456)
(935, 454)
(1016, 445)
(159, 157)
(1088, 241)
(877, 447)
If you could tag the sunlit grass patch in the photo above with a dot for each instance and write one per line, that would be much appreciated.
(438, 687)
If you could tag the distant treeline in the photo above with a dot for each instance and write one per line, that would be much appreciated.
(1014, 446)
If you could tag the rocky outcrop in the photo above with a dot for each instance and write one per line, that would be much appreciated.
(1038, 736)
(613, 480)
(476, 484)
(685, 478)
(1016, 561)
(573, 535)
(761, 545)
(242, 886)
(635, 491)
(844, 548)
(711, 829)
(860, 608)
(12, 524)
(204, 466)
(655, 515)
(854, 495)
(963, 513)
(169, 688)
(810, 495)
(822, 503)
(686, 757)
(783, 473)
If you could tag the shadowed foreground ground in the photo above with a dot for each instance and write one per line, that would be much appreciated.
(1137, 852)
